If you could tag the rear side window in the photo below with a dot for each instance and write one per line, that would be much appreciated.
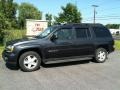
(101, 32)
(81, 33)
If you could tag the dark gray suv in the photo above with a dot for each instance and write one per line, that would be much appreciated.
(60, 43)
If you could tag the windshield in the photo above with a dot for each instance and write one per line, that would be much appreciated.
(45, 33)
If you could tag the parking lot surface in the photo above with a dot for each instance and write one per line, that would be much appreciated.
(80, 75)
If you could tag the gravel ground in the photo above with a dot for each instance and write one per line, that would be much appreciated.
(82, 75)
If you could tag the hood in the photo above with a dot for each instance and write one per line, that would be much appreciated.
(23, 40)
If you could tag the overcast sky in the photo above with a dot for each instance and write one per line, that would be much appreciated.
(107, 12)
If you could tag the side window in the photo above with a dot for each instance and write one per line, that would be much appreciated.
(88, 33)
(81, 33)
(101, 32)
(64, 34)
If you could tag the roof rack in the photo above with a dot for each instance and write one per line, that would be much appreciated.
(87, 24)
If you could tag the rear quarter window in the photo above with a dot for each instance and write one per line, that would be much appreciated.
(101, 32)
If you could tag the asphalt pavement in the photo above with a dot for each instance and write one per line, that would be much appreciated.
(80, 75)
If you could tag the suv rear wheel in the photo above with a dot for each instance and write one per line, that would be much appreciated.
(100, 55)
(29, 61)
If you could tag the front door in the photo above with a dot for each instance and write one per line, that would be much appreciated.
(63, 46)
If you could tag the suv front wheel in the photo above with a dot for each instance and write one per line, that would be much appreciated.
(29, 61)
(100, 55)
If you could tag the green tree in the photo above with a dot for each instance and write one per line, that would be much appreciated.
(113, 26)
(27, 11)
(3, 25)
(69, 14)
(2, 6)
(7, 16)
(8, 9)
(49, 18)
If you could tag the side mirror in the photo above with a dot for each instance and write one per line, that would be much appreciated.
(54, 37)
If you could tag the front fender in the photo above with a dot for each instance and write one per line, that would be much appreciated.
(24, 48)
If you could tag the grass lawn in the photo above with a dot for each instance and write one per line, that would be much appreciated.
(117, 44)
(1, 49)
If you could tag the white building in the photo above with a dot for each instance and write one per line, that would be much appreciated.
(115, 31)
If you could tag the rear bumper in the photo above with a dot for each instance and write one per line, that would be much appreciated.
(10, 58)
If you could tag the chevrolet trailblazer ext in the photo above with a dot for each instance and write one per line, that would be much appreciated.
(60, 43)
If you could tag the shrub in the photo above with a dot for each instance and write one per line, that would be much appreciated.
(13, 34)
(1, 49)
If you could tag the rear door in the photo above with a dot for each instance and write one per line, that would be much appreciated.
(83, 42)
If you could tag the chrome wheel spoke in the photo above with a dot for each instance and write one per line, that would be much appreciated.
(26, 62)
(33, 63)
(29, 65)
(29, 58)
(34, 58)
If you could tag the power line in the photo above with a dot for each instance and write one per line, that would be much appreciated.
(109, 18)
(104, 17)
(85, 20)
(112, 8)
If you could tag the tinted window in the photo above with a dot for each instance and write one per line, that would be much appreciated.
(88, 33)
(64, 34)
(46, 32)
(81, 33)
(101, 32)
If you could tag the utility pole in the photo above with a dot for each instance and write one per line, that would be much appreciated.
(94, 18)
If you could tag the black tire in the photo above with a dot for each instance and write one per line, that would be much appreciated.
(23, 58)
(97, 55)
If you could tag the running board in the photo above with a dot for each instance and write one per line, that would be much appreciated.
(67, 60)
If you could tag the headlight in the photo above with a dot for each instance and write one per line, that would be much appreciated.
(10, 48)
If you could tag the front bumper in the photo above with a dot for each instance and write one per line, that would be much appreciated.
(10, 58)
